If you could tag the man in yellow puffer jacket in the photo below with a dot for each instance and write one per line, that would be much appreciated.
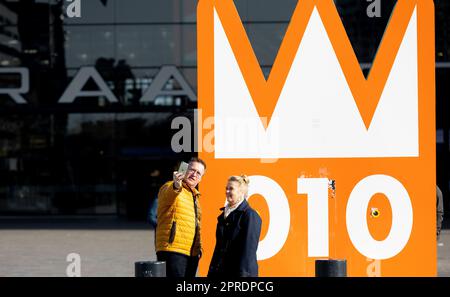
(178, 228)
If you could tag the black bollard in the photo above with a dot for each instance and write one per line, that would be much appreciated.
(331, 268)
(150, 269)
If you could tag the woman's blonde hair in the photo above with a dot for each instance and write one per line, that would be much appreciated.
(243, 181)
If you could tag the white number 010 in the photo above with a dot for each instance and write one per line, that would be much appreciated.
(358, 231)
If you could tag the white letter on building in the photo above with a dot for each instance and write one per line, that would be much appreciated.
(317, 191)
(75, 89)
(279, 214)
(402, 217)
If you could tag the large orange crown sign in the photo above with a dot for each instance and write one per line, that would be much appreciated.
(340, 166)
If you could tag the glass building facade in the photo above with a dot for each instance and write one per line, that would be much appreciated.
(81, 130)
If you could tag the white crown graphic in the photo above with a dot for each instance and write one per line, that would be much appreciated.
(316, 115)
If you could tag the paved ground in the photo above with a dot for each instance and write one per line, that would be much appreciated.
(41, 249)
(109, 250)
(444, 254)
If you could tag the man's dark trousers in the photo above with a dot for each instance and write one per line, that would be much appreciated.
(178, 265)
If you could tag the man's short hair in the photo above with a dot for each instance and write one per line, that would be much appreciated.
(198, 160)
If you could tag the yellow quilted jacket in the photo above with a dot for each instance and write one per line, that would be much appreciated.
(178, 226)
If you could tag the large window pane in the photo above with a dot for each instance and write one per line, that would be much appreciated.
(156, 45)
(269, 10)
(85, 45)
(10, 43)
(242, 8)
(150, 11)
(266, 40)
(93, 12)
(84, 163)
(7, 15)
